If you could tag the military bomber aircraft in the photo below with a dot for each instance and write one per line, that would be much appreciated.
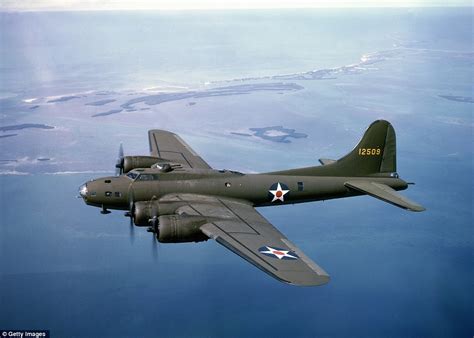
(180, 198)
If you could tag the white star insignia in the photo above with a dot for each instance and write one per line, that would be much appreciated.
(278, 253)
(279, 193)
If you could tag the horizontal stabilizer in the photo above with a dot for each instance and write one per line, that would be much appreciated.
(385, 193)
(326, 161)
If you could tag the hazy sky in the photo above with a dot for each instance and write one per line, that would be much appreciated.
(34, 5)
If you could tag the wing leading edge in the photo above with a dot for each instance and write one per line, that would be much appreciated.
(240, 228)
(170, 146)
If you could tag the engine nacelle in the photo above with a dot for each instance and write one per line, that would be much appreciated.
(132, 162)
(144, 211)
(181, 228)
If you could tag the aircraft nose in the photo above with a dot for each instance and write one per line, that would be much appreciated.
(83, 190)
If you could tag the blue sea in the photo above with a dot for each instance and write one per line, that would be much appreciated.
(74, 85)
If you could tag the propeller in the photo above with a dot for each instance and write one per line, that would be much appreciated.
(132, 230)
(131, 214)
(155, 229)
(154, 226)
(120, 161)
(154, 248)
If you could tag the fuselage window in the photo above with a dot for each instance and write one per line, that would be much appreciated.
(118, 194)
(300, 186)
(107, 181)
(108, 193)
(145, 177)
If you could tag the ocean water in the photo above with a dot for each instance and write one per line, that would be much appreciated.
(75, 85)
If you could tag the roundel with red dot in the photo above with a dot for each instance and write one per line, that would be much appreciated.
(278, 253)
(278, 192)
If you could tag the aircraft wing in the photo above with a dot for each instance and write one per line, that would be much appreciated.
(170, 146)
(240, 228)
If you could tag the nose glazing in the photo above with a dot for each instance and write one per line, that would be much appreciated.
(83, 190)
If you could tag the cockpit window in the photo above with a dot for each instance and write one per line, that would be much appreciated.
(132, 175)
(145, 177)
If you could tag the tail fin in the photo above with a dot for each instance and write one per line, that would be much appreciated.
(374, 154)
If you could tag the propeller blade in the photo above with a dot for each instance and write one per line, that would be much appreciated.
(119, 164)
(154, 225)
(154, 248)
(121, 150)
(131, 204)
(131, 215)
(132, 230)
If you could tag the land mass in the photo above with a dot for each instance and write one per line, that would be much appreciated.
(275, 134)
(7, 135)
(64, 98)
(25, 126)
(110, 112)
(466, 99)
(100, 103)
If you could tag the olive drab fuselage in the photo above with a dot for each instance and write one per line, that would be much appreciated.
(117, 192)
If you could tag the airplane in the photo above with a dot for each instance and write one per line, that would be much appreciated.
(180, 198)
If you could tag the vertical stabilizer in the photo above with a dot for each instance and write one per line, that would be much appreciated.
(375, 153)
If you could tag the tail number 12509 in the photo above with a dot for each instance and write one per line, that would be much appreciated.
(369, 151)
